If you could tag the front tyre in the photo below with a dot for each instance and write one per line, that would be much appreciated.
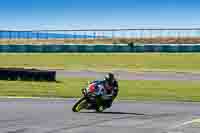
(79, 105)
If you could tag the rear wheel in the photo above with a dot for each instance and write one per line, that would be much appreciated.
(81, 104)
(100, 109)
(100, 104)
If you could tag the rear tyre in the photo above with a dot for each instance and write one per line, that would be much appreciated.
(100, 109)
(80, 104)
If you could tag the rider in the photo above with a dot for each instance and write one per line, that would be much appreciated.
(110, 85)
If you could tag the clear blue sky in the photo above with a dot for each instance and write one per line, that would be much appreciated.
(81, 14)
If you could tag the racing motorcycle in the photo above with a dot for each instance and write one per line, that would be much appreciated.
(91, 99)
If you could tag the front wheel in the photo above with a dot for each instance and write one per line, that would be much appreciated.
(80, 104)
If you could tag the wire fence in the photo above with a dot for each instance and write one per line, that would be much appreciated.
(95, 34)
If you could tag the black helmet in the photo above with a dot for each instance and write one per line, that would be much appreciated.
(110, 78)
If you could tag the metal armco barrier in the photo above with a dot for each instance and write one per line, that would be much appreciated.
(98, 48)
(27, 74)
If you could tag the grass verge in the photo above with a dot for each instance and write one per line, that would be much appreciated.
(135, 90)
(181, 62)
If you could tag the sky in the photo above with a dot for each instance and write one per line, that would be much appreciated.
(98, 14)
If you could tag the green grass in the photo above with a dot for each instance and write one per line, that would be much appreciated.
(106, 62)
(138, 90)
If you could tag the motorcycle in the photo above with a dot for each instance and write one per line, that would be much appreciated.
(90, 100)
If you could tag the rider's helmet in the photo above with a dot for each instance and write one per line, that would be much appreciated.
(110, 78)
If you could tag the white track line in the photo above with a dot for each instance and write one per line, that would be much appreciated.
(50, 98)
(188, 122)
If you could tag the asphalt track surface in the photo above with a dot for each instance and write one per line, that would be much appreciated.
(55, 116)
(123, 75)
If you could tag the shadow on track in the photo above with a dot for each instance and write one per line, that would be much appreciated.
(132, 114)
(120, 113)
